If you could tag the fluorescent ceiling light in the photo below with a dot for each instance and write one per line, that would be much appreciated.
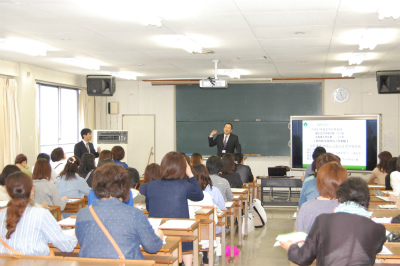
(24, 46)
(348, 71)
(232, 73)
(125, 75)
(180, 41)
(389, 8)
(370, 38)
(82, 63)
(357, 58)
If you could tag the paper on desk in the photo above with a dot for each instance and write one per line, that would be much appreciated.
(177, 224)
(385, 251)
(72, 200)
(228, 204)
(236, 197)
(382, 220)
(376, 186)
(67, 221)
(3, 203)
(155, 223)
(385, 198)
(294, 236)
(389, 206)
(295, 215)
(238, 190)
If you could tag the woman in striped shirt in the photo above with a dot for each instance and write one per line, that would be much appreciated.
(37, 227)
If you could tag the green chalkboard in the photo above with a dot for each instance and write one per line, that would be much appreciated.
(260, 115)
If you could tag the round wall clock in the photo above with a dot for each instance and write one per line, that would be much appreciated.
(341, 95)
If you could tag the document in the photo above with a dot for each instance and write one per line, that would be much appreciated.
(385, 251)
(177, 224)
(155, 223)
(294, 236)
(72, 200)
(238, 190)
(382, 220)
(3, 203)
(388, 206)
(67, 222)
(385, 198)
(228, 204)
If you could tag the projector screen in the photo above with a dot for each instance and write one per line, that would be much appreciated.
(355, 139)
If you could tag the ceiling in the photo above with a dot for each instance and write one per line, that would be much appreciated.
(261, 39)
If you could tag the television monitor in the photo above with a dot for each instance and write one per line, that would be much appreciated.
(354, 138)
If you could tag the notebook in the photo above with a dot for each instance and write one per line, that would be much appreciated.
(276, 172)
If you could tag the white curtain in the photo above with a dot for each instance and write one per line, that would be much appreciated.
(86, 110)
(101, 112)
(10, 140)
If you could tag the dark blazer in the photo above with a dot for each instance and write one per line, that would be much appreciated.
(233, 179)
(245, 173)
(233, 142)
(80, 149)
(337, 239)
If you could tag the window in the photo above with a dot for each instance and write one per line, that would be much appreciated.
(58, 118)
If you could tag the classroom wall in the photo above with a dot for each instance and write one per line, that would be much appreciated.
(137, 97)
(26, 76)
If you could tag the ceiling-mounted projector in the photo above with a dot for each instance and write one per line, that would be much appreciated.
(213, 83)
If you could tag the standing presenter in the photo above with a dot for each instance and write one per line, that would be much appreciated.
(226, 143)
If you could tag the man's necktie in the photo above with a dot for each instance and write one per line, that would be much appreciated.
(225, 141)
(87, 147)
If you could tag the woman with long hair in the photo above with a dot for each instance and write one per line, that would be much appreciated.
(380, 171)
(28, 229)
(86, 167)
(228, 171)
(167, 197)
(45, 190)
(69, 183)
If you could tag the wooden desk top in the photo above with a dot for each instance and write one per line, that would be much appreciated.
(68, 261)
(385, 213)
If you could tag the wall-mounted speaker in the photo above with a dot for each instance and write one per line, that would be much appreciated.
(388, 81)
(100, 85)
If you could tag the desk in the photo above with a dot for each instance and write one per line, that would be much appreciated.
(62, 261)
(222, 222)
(75, 206)
(385, 213)
(230, 205)
(186, 234)
(207, 229)
(237, 199)
(245, 199)
(55, 211)
(278, 182)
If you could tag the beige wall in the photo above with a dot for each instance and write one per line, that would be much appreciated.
(26, 76)
(136, 97)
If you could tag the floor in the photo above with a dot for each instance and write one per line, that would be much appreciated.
(258, 248)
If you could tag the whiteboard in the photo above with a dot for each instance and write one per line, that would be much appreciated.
(141, 140)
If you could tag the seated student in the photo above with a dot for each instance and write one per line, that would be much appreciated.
(391, 167)
(28, 229)
(127, 225)
(58, 160)
(151, 173)
(45, 190)
(214, 166)
(167, 197)
(346, 237)
(196, 158)
(134, 181)
(118, 153)
(53, 174)
(92, 196)
(329, 178)
(105, 154)
(317, 152)
(86, 167)
(69, 183)
(310, 190)
(243, 170)
(395, 178)
(228, 161)
(8, 170)
(313, 168)
(22, 162)
(380, 171)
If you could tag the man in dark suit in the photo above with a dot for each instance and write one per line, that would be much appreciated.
(243, 170)
(226, 143)
(84, 146)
